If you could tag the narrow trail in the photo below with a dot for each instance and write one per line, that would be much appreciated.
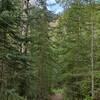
(57, 96)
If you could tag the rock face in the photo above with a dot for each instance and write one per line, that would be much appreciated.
(57, 96)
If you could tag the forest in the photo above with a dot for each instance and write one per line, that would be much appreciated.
(46, 55)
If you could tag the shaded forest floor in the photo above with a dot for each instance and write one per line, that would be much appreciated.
(57, 96)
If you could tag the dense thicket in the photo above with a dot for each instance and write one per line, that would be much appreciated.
(25, 55)
(42, 53)
(80, 26)
(15, 65)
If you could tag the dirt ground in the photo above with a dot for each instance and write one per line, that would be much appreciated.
(57, 96)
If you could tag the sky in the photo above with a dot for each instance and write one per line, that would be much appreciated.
(56, 8)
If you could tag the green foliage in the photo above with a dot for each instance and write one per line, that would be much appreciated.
(37, 59)
(58, 90)
(76, 39)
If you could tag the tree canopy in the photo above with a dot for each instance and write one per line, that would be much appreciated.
(44, 55)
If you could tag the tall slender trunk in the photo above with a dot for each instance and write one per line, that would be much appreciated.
(42, 86)
(92, 46)
(25, 24)
(24, 44)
